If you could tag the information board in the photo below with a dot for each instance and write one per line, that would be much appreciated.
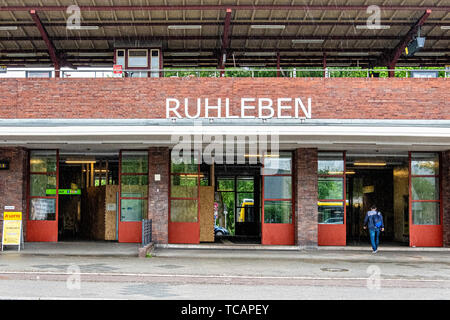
(12, 229)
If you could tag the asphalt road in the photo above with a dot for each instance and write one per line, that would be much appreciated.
(192, 274)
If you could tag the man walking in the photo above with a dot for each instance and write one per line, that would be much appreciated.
(374, 220)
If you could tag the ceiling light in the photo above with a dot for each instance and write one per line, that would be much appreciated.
(184, 54)
(22, 54)
(266, 54)
(430, 54)
(445, 27)
(80, 161)
(94, 54)
(184, 65)
(184, 27)
(353, 54)
(372, 27)
(339, 64)
(8, 28)
(308, 40)
(83, 27)
(370, 164)
(268, 26)
(253, 65)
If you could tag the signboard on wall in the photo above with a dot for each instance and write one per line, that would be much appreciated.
(12, 229)
(4, 165)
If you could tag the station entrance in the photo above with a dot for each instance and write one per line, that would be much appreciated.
(404, 186)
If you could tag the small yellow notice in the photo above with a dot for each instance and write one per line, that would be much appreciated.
(12, 228)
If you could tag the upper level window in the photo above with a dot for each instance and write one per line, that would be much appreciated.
(120, 58)
(138, 58)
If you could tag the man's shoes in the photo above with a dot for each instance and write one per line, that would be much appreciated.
(375, 251)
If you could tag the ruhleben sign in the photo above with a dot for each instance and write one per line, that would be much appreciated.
(248, 108)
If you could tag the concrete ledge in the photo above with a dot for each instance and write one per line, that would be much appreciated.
(143, 251)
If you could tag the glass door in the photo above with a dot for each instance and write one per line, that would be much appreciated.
(277, 205)
(425, 213)
(332, 199)
(42, 223)
(133, 181)
(184, 210)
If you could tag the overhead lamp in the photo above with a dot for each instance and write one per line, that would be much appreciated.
(308, 40)
(184, 54)
(252, 54)
(369, 164)
(81, 161)
(268, 26)
(372, 27)
(184, 27)
(8, 28)
(253, 65)
(351, 54)
(339, 64)
(94, 54)
(445, 27)
(74, 27)
(22, 54)
(184, 65)
(430, 54)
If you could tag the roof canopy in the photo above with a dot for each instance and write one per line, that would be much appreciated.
(267, 33)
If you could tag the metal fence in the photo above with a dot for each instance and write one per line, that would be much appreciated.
(146, 232)
(231, 72)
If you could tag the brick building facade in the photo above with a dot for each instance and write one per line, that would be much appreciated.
(378, 100)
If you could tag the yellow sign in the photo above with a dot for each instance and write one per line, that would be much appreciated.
(12, 228)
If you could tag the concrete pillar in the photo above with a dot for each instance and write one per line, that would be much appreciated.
(158, 206)
(446, 196)
(306, 196)
(13, 183)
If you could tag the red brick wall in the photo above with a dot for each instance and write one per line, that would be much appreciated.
(306, 213)
(158, 208)
(332, 98)
(13, 182)
(446, 196)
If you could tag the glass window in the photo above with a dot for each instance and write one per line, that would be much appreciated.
(43, 161)
(245, 184)
(424, 188)
(43, 209)
(138, 58)
(184, 186)
(225, 184)
(331, 213)
(133, 209)
(184, 210)
(424, 164)
(134, 186)
(186, 163)
(425, 213)
(134, 162)
(120, 58)
(278, 165)
(331, 163)
(331, 188)
(41, 183)
(277, 212)
(277, 187)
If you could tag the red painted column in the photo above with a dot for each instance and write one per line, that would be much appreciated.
(278, 64)
(446, 197)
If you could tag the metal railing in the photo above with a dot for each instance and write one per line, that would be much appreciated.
(146, 232)
(230, 72)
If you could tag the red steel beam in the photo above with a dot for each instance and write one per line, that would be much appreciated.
(225, 38)
(50, 47)
(224, 7)
(400, 48)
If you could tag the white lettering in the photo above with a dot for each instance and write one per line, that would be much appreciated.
(265, 104)
(186, 108)
(281, 107)
(227, 110)
(308, 112)
(174, 110)
(218, 107)
(245, 107)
